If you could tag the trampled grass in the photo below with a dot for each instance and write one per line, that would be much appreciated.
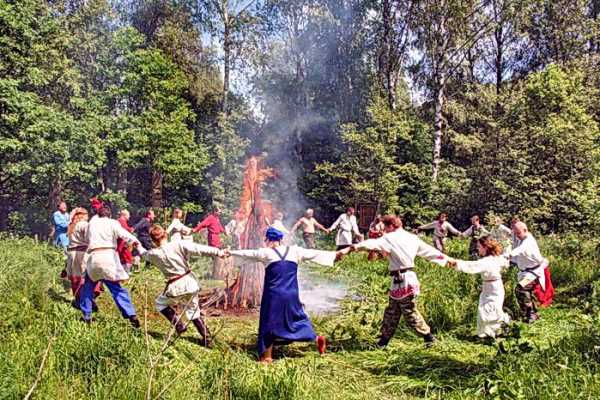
(557, 358)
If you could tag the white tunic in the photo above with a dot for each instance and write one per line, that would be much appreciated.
(77, 259)
(401, 248)
(490, 315)
(441, 230)
(295, 254)
(172, 259)
(530, 261)
(178, 231)
(102, 234)
(347, 226)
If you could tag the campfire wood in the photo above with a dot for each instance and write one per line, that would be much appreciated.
(254, 212)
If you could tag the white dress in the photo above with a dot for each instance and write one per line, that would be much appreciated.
(490, 315)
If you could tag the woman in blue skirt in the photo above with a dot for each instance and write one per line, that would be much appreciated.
(282, 318)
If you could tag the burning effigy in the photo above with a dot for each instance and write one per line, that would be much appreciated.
(251, 221)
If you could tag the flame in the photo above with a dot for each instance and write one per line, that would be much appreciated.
(254, 213)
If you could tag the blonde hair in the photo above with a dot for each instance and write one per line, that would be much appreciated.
(79, 214)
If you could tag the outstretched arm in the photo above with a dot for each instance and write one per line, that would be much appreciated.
(452, 229)
(321, 227)
(196, 249)
(335, 224)
(428, 226)
(320, 257)
(431, 254)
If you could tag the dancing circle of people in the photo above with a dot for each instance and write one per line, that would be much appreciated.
(102, 252)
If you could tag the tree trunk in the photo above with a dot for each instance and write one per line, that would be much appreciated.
(386, 78)
(157, 184)
(226, 59)
(122, 182)
(438, 124)
(55, 194)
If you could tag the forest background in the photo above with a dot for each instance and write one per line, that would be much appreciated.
(412, 105)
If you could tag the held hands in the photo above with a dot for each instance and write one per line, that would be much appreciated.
(451, 264)
(344, 252)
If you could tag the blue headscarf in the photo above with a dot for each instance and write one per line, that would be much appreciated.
(274, 235)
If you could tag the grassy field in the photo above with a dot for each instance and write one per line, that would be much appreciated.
(558, 357)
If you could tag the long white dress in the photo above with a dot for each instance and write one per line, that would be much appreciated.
(490, 315)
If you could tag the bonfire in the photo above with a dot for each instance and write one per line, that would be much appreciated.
(252, 220)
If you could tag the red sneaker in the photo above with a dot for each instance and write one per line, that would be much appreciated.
(321, 344)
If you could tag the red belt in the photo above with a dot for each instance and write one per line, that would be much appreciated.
(78, 248)
(178, 277)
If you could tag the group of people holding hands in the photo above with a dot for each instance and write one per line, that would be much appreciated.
(94, 259)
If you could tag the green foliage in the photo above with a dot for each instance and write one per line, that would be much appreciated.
(557, 357)
(381, 163)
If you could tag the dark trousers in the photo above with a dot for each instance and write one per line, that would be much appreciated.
(525, 298)
(396, 309)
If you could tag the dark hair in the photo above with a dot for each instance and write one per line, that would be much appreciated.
(59, 203)
(104, 211)
(491, 246)
(392, 220)
(476, 217)
(442, 214)
(350, 209)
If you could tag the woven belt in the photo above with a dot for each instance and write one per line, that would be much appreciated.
(78, 248)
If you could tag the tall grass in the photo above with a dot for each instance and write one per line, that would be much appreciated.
(558, 357)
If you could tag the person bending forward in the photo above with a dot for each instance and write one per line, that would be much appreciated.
(282, 319)
(172, 258)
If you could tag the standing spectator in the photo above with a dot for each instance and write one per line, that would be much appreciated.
(61, 220)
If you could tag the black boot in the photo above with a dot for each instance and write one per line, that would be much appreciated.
(135, 322)
(531, 316)
(429, 340)
(383, 342)
(170, 314)
(204, 332)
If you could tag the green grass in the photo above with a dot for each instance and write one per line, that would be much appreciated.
(557, 358)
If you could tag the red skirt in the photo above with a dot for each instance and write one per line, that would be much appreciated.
(545, 297)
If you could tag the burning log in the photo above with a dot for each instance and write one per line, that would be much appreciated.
(253, 214)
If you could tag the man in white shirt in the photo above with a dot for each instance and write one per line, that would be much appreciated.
(347, 229)
(528, 258)
(401, 248)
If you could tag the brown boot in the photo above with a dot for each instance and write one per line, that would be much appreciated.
(170, 314)
(204, 332)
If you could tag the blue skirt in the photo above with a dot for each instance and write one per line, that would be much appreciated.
(282, 317)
